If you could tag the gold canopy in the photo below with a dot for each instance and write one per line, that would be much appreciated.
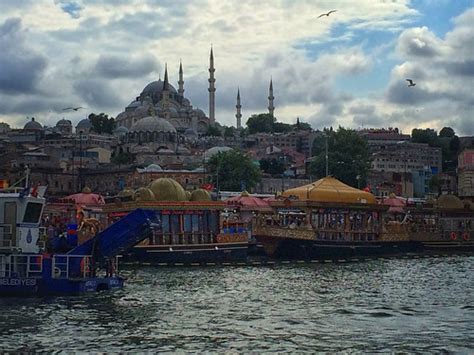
(329, 189)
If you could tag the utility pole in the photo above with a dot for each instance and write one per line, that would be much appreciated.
(327, 158)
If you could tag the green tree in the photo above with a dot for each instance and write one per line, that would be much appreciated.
(348, 156)
(427, 135)
(123, 158)
(102, 123)
(213, 131)
(262, 122)
(434, 184)
(229, 132)
(232, 171)
(446, 132)
(272, 166)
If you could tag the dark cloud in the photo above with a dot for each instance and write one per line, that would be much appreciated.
(113, 66)
(20, 67)
(97, 93)
(464, 68)
(418, 42)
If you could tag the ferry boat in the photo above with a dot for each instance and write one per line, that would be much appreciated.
(27, 269)
(330, 220)
(194, 230)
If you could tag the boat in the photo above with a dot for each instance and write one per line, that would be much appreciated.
(28, 267)
(331, 220)
(194, 229)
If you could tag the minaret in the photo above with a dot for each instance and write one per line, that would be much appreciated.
(238, 115)
(271, 107)
(212, 90)
(165, 94)
(181, 81)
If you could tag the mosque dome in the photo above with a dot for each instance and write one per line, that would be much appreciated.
(155, 89)
(166, 189)
(144, 194)
(64, 123)
(120, 131)
(140, 149)
(190, 132)
(152, 124)
(33, 125)
(84, 124)
(200, 195)
(214, 150)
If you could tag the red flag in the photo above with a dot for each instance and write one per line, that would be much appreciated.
(208, 187)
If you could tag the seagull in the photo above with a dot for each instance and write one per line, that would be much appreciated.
(327, 14)
(72, 108)
(411, 83)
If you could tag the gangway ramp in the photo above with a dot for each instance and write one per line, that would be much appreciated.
(120, 236)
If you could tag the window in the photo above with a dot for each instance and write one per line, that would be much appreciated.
(32, 212)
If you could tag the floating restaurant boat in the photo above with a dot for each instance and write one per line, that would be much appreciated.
(330, 220)
(193, 228)
(28, 269)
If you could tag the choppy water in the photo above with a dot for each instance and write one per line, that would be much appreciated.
(383, 305)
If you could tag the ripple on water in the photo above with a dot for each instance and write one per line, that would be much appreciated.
(405, 305)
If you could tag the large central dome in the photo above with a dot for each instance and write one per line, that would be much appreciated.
(154, 90)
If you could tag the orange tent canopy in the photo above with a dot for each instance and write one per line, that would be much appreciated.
(329, 189)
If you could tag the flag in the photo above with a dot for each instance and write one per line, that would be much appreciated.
(208, 187)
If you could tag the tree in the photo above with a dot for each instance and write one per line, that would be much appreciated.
(434, 184)
(427, 135)
(229, 132)
(262, 122)
(122, 158)
(272, 166)
(348, 156)
(280, 127)
(101, 123)
(233, 171)
(446, 132)
(213, 131)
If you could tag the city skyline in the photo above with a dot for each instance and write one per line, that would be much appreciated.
(346, 69)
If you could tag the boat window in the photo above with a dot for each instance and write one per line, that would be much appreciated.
(33, 212)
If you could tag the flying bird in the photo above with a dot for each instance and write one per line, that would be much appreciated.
(411, 83)
(72, 108)
(326, 14)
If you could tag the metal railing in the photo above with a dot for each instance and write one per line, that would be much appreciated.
(24, 266)
(71, 266)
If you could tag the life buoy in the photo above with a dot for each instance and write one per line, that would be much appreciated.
(465, 236)
(453, 236)
(56, 272)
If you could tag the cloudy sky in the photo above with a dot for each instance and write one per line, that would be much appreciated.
(347, 69)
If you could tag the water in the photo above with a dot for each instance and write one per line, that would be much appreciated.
(403, 305)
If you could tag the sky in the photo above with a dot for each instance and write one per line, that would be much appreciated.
(348, 69)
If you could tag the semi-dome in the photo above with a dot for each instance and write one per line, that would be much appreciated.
(200, 113)
(133, 105)
(144, 194)
(84, 124)
(141, 149)
(450, 202)
(152, 124)
(214, 150)
(166, 189)
(190, 132)
(33, 125)
(200, 195)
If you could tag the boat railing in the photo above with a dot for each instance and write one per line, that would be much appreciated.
(194, 237)
(21, 266)
(71, 266)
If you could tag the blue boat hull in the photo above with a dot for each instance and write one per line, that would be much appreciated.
(13, 286)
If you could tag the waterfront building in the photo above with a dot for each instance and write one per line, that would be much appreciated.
(466, 173)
